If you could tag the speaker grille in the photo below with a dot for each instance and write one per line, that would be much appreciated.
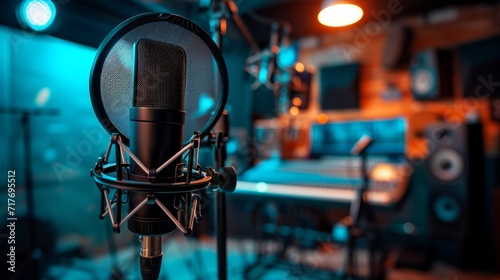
(446, 164)
(446, 208)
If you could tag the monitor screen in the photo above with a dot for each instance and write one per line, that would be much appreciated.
(338, 138)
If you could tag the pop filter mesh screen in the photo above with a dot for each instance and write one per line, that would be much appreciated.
(201, 86)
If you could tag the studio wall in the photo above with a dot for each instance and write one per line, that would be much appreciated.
(446, 29)
(41, 74)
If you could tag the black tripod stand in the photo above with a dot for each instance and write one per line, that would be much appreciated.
(30, 262)
(361, 222)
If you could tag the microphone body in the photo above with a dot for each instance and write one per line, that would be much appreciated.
(156, 134)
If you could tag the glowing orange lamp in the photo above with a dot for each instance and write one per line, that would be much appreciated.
(336, 13)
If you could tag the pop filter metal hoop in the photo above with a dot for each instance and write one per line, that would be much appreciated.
(96, 80)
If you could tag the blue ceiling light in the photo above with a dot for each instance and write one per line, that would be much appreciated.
(37, 14)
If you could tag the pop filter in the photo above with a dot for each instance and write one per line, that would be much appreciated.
(111, 77)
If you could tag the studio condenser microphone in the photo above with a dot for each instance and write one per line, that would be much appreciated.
(138, 89)
(156, 134)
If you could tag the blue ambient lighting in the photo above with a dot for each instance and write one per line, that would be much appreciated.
(263, 70)
(261, 187)
(340, 233)
(232, 146)
(287, 56)
(43, 96)
(38, 14)
(206, 103)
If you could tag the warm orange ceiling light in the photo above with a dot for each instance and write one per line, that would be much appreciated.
(337, 13)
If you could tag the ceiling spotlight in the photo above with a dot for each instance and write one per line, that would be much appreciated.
(336, 13)
(37, 14)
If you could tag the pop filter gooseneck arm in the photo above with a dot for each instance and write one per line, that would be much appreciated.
(231, 7)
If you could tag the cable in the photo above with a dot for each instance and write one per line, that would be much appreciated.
(116, 274)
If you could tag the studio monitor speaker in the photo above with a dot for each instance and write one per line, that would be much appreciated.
(479, 64)
(457, 211)
(447, 166)
(396, 50)
(431, 75)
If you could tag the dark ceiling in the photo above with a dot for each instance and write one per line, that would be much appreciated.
(89, 21)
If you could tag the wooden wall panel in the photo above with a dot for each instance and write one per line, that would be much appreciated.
(470, 24)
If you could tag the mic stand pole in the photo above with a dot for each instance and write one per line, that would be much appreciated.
(220, 197)
(34, 252)
(359, 213)
(218, 29)
(218, 26)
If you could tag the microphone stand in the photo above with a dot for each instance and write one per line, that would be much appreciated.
(220, 197)
(218, 29)
(360, 213)
(218, 26)
(34, 252)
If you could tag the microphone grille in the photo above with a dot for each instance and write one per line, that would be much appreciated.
(159, 75)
